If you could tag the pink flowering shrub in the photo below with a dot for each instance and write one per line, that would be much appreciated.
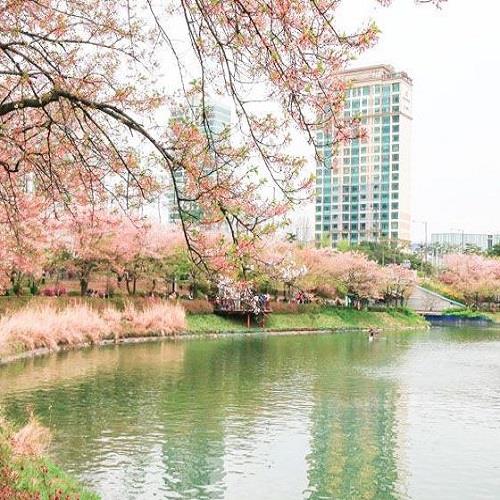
(56, 291)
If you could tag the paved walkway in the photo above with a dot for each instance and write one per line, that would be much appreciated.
(424, 301)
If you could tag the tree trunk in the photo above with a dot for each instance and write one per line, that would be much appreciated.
(84, 285)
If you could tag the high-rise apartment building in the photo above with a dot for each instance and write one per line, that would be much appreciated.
(218, 119)
(363, 189)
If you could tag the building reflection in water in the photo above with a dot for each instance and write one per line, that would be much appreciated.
(204, 419)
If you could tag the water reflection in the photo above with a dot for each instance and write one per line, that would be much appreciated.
(286, 417)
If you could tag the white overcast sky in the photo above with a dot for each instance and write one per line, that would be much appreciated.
(453, 56)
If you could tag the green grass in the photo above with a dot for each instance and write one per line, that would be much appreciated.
(495, 317)
(466, 313)
(326, 318)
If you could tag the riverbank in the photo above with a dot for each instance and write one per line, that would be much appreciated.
(310, 319)
(35, 331)
(469, 314)
(26, 474)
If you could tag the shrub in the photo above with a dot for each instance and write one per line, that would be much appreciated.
(284, 307)
(197, 306)
(56, 291)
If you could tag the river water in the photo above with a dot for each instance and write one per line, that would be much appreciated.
(409, 415)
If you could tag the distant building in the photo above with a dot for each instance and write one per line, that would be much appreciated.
(218, 119)
(363, 191)
(462, 241)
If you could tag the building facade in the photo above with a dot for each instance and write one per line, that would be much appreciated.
(463, 241)
(218, 120)
(363, 188)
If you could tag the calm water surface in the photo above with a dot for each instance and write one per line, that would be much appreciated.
(410, 415)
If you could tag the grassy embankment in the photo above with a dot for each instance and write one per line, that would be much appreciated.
(50, 323)
(311, 318)
(26, 474)
(470, 314)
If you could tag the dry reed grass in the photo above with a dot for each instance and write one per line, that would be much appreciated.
(31, 440)
(46, 326)
(158, 318)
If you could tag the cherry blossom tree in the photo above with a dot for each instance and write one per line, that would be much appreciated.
(86, 242)
(24, 245)
(399, 283)
(80, 93)
(143, 251)
(475, 277)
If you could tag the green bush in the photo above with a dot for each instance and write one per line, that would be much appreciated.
(464, 313)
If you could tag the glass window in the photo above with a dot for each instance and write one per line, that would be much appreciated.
(395, 138)
(395, 87)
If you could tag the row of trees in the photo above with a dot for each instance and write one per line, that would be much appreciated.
(92, 242)
(476, 278)
(89, 241)
(331, 274)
